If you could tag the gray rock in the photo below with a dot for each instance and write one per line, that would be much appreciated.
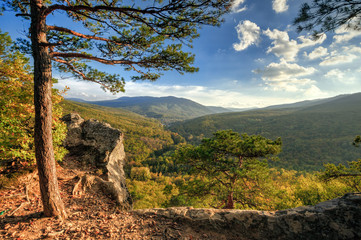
(339, 218)
(100, 150)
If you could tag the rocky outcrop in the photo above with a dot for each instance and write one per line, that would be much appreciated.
(99, 149)
(335, 219)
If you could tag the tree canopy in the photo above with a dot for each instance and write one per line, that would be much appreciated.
(322, 16)
(17, 111)
(351, 174)
(145, 37)
(226, 159)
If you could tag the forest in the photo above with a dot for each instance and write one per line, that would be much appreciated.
(163, 168)
(313, 133)
(235, 163)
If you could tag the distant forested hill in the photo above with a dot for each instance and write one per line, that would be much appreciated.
(165, 109)
(313, 132)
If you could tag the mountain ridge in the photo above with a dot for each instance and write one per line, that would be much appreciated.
(166, 109)
(313, 135)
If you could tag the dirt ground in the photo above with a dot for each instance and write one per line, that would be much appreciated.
(90, 215)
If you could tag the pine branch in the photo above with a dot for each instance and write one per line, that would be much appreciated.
(66, 30)
(90, 57)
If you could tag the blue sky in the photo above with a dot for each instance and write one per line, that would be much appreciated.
(255, 59)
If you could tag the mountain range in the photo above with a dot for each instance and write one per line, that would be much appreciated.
(166, 109)
(313, 132)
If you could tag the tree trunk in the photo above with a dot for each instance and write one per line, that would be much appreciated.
(230, 198)
(52, 203)
(230, 201)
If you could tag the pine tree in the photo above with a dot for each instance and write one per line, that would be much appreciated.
(323, 16)
(141, 36)
(226, 160)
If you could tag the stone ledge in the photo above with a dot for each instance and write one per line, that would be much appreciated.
(339, 218)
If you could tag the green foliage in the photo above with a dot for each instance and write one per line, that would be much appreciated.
(140, 173)
(293, 189)
(153, 193)
(17, 110)
(170, 184)
(145, 37)
(228, 160)
(311, 135)
(351, 175)
(322, 16)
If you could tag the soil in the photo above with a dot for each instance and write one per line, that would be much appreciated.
(91, 215)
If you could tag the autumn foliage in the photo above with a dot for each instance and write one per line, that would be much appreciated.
(17, 108)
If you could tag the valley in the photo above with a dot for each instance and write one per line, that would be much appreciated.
(313, 132)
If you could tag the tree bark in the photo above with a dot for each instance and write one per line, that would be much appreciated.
(52, 203)
(230, 201)
(230, 197)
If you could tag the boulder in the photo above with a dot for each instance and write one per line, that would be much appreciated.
(99, 150)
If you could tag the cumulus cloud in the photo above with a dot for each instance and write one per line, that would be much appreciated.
(307, 41)
(236, 6)
(284, 47)
(248, 34)
(286, 76)
(279, 6)
(317, 53)
(341, 56)
(341, 59)
(283, 70)
(345, 34)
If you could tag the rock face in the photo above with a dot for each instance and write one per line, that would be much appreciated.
(339, 218)
(99, 147)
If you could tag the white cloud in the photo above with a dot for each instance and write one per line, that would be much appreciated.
(285, 70)
(279, 6)
(345, 34)
(286, 76)
(352, 49)
(203, 95)
(314, 92)
(236, 6)
(309, 41)
(284, 47)
(317, 53)
(344, 77)
(344, 55)
(248, 34)
(341, 59)
(335, 73)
